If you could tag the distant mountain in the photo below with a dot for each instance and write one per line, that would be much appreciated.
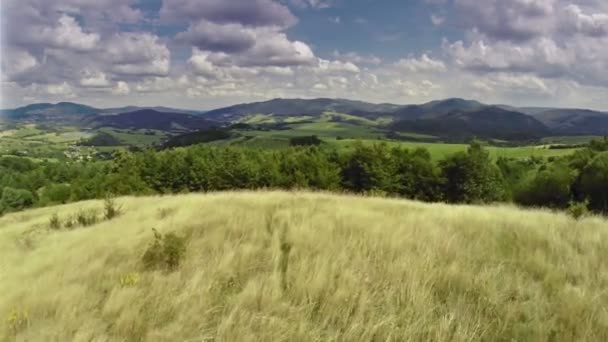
(300, 107)
(484, 122)
(60, 112)
(452, 117)
(436, 109)
(574, 121)
(152, 119)
(156, 108)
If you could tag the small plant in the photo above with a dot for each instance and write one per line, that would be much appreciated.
(163, 213)
(54, 222)
(129, 280)
(86, 218)
(166, 251)
(110, 208)
(17, 320)
(578, 210)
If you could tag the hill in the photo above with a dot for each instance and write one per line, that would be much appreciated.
(152, 119)
(574, 121)
(62, 112)
(302, 267)
(485, 121)
(300, 107)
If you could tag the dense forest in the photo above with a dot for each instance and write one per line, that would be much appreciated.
(580, 179)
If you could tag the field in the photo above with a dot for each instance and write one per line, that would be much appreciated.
(441, 150)
(277, 266)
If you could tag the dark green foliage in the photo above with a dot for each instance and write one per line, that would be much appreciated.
(550, 188)
(466, 177)
(472, 177)
(101, 139)
(165, 252)
(15, 199)
(593, 183)
(312, 140)
(199, 137)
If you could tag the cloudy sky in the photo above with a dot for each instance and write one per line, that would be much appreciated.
(208, 53)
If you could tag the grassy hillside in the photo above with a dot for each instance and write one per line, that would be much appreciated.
(303, 267)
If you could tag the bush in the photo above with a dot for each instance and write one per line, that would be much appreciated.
(86, 218)
(578, 210)
(54, 222)
(110, 208)
(167, 251)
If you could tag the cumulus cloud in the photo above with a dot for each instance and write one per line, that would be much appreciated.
(422, 64)
(246, 12)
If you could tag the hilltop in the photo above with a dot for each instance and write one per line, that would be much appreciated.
(282, 266)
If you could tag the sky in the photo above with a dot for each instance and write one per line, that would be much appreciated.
(204, 54)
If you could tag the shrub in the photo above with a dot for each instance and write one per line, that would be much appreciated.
(54, 222)
(578, 210)
(110, 208)
(86, 218)
(167, 251)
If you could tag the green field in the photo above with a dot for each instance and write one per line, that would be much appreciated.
(572, 140)
(441, 150)
(137, 138)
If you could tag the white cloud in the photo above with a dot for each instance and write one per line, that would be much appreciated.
(422, 64)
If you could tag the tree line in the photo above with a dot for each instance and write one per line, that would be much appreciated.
(471, 176)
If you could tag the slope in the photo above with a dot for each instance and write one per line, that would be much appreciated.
(303, 267)
(152, 119)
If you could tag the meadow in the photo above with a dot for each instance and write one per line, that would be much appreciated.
(297, 266)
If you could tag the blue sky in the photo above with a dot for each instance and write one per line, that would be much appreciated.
(209, 53)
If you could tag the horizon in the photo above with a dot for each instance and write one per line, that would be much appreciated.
(208, 54)
(152, 106)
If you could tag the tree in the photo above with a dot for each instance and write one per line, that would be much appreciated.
(551, 187)
(15, 199)
(472, 177)
(593, 183)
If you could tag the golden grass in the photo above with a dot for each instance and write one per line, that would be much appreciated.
(276, 266)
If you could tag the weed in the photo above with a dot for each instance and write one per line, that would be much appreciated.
(17, 320)
(86, 218)
(54, 222)
(128, 280)
(110, 208)
(166, 251)
(578, 210)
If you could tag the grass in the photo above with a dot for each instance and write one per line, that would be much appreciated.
(135, 137)
(276, 266)
(441, 150)
(570, 140)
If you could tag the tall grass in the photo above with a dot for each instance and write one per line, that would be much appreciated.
(282, 266)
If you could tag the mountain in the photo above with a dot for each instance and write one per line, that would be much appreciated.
(152, 119)
(300, 107)
(60, 112)
(485, 122)
(156, 108)
(574, 121)
(435, 109)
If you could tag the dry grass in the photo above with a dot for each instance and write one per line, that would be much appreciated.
(305, 267)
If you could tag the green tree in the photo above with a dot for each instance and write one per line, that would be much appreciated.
(472, 177)
(593, 183)
(15, 199)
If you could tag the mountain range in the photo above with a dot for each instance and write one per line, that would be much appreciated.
(454, 117)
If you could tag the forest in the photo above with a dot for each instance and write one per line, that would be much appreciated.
(472, 177)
